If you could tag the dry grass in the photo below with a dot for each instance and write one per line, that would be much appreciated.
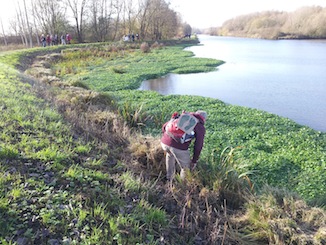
(144, 47)
(280, 217)
(90, 112)
(10, 47)
(147, 151)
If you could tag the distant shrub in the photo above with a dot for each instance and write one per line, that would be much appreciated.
(144, 47)
(156, 45)
(78, 82)
(119, 69)
(114, 48)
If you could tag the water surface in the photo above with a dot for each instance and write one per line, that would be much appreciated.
(284, 77)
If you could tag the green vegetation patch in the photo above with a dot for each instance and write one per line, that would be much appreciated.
(126, 69)
(276, 150)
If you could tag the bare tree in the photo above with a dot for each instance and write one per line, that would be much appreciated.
(306, 22)
(78, 8)
(40, 13)
(129, 16)
(21, 25)
(3, 33)
(49, 16)
(95, 9)
(56, 16)
(101, 19)
(117, 8)
(105, 20)
(35, 27)
(168, 22)
(96, 20)
(144, 17)
(157, 20)
(187, 30)
(319, 24)
(29, 28)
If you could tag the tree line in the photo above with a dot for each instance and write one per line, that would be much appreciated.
(304, 23)
(93, 20)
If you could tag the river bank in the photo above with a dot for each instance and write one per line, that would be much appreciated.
(75, 174)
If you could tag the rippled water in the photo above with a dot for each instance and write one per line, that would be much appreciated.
(284, 77)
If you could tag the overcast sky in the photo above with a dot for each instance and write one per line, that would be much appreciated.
(212, 13)
(202, 13)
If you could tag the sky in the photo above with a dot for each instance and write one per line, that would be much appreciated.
(212, 13)
(201, 13)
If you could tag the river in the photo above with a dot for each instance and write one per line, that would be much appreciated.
(283, 77)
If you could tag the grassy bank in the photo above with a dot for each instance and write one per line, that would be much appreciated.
(76, 170)
(69, 182)
(274, 150)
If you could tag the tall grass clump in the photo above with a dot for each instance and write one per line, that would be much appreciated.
(135, 116)
(280, 217)
(157, 45)
(230, 176)
(144, 47)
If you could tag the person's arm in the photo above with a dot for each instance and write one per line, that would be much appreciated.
(199, 142)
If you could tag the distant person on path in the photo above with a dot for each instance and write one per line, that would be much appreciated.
(126, 38)
(55, 39)
(177, 149)
(43, 40)
(68, 38)
(63, 39)
(48, 40)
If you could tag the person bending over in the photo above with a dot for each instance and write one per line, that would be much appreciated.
(175, 142)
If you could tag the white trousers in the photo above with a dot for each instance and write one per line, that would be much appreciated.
(173, 155)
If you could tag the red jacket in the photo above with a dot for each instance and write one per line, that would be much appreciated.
(199, 139)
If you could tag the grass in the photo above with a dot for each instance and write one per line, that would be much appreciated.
(280, 217)
(126, 68)
(48, 188)
(276, 150)
(83, 165)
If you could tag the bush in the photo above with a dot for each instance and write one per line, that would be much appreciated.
(144, 47)
(156, 45)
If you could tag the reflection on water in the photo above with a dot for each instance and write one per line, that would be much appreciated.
(285, 77)
(164, 85)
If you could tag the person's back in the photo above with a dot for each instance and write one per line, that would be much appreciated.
(48, 40)
(63, 39)
(177, 151)
(68, 38)
(43, 40)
